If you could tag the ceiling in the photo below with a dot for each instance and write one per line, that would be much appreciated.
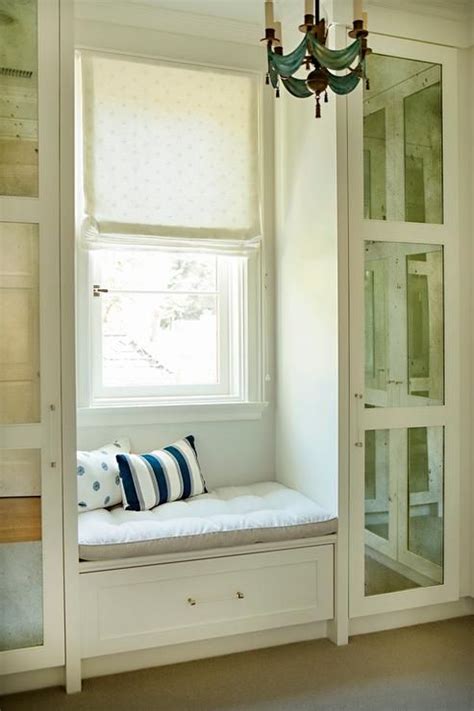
(252, 10)
(449, 9)
(240, 10)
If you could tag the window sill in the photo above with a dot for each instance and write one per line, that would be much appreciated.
(169, 413)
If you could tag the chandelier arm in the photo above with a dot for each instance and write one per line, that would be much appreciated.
(343, 84)
(287, 64)
(339, 84)
(333, 58)
(297, 87)
(272, 70)
(359, 71)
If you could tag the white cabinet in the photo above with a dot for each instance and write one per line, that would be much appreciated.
(404, 330)
(159, 605)
(31, 576)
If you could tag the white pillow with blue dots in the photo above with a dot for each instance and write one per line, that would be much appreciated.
(98, 479)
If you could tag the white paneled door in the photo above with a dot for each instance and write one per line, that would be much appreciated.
(31, 580)
(404, 330)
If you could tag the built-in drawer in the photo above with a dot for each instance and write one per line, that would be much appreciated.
(156, 605)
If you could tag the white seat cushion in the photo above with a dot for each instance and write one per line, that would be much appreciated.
(228, 516)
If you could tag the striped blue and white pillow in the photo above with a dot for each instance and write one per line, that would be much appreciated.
(166, 474)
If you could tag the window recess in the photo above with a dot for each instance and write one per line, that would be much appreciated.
(168, 234)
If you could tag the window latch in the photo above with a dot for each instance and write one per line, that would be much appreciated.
(97, 290)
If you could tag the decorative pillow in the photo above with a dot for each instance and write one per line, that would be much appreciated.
(98, 480)
(166, 474)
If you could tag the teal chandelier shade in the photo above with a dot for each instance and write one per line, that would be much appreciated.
(320, 61)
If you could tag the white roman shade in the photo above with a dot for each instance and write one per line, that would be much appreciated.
(170, 152)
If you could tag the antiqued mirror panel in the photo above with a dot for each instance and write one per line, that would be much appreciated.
(21, 555)
(404, 324)
(377, 491)
(19, 324)
(403, 141)
(18, 98)
(404, 509)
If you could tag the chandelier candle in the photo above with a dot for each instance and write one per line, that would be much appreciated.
(358, 9)
(308, 12)
(279, 38)
(269, 13)
(313, 56)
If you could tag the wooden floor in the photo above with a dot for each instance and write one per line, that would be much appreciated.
(20, 519)
(424, 668)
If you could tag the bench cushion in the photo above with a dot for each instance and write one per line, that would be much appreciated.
(227, 516)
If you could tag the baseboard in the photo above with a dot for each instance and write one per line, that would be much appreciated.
(130, 661)
(143, 659)
(407, 618)
(31, 680)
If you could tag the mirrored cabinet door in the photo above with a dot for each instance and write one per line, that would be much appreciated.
(404, 330)
(31, 584)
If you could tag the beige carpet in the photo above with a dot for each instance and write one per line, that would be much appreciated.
(425, 667)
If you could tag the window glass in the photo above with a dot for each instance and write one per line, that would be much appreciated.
(162, 323)
(159, 339)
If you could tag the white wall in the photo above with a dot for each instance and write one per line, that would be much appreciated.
(306, 304)
(229, 452)
(232, 451)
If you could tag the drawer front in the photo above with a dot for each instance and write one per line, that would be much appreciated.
(138, 608)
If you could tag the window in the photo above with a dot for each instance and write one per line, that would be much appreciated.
(167, 325)
(169, 235)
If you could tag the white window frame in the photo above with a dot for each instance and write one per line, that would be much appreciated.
(229, 349)
(241, 347)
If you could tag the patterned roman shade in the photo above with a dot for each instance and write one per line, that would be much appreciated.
(169, 151)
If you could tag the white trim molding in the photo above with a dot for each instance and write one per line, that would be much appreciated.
(407, 618)
(171, 413)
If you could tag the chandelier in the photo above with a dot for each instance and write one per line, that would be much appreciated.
(319, 61)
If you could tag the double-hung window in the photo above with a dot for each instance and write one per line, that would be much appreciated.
(168, 233)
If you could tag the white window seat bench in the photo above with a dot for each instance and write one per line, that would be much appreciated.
(227, 516)
(234, 561)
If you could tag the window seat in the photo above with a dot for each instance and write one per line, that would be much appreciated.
(226, 516)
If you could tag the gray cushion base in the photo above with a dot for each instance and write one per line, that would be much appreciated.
(229, 516)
